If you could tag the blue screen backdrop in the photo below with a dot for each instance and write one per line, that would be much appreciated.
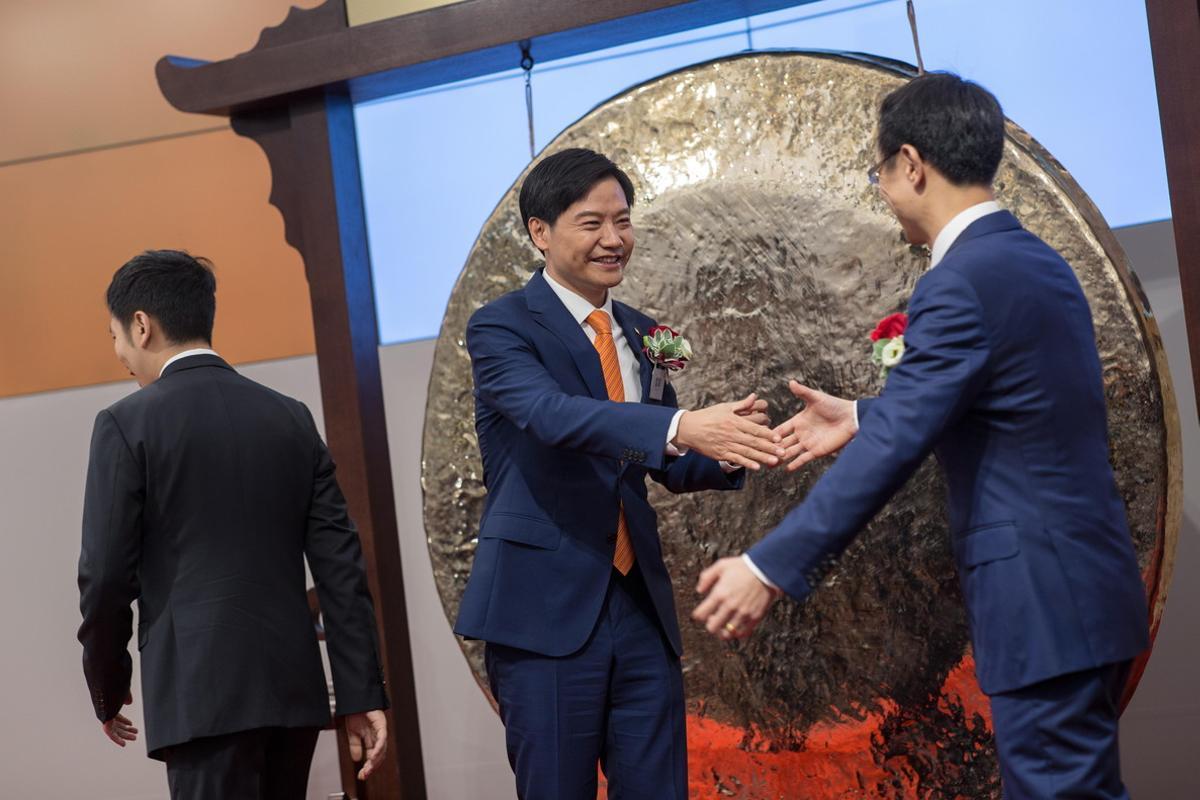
(437, 161)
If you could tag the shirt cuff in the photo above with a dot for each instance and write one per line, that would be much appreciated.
(758, 574)
(672, 431)
(727, 468)
(856, 416)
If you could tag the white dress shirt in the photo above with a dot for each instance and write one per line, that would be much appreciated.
(196, 351)
(953, 229)
(946, 237)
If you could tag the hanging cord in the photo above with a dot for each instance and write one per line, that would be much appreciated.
(527, 65)
(912, 23)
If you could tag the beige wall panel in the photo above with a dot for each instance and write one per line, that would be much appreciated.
(360, 12)
(80, 73)
(67, 224)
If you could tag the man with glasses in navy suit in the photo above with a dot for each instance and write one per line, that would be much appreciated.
(1000, 377)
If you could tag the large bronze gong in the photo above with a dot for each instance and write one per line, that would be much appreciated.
(759, 236)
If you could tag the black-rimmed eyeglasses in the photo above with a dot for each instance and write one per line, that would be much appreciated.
(873, 172)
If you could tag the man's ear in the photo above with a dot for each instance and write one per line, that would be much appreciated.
(914, 166)
(140, 329)
(539, 231)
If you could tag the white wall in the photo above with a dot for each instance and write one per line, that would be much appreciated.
(1160, 731)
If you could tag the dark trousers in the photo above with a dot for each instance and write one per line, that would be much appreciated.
(260, 764)
(1058, 739)
(617, 702)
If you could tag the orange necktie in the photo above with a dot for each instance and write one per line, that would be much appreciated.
(623, 555)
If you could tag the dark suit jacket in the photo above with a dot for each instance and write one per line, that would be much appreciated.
(1002, 380)
(205, 494)
(559, 461)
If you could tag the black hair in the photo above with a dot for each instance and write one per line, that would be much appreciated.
(564, 178)
(956, 125)
(174, 287)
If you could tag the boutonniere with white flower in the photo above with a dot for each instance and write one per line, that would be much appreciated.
(669, 352)
(888, 339)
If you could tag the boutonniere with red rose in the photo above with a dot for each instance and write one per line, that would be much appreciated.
(669, 352)
(888, 338)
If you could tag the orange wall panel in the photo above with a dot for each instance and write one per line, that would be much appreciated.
(67, 224)
(80, 73)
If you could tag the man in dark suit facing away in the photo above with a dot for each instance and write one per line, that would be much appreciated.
(205, 494)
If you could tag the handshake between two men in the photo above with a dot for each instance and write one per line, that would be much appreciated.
(569, 579)
(737, 594)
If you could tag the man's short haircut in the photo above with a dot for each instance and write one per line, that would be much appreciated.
(175, 288)
(956, 125)
(565, 178)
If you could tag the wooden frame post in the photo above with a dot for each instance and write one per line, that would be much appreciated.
(1175, 41)
(322, 207)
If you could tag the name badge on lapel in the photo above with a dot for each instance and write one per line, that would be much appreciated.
(658, 383)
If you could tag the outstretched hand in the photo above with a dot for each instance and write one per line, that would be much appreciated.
(119, 729)
(733, 432)
(824, 426)
(736, 599)
(367, 734)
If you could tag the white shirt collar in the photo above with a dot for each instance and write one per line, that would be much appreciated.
(196, 351)
(576, 305)
(955, 227)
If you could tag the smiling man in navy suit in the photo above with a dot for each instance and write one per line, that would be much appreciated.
(568, 588)
(1001, 379)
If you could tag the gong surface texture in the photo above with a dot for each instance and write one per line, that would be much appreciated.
(759, 237)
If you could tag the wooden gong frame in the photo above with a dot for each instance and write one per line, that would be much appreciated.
(293, 94)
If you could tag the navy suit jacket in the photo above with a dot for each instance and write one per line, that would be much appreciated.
(1001, 379)
(559, 461)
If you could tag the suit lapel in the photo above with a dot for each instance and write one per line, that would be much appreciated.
(629, 321)
(552, 315)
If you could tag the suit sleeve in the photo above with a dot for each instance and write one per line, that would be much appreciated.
(335, 557)
(943, 368)
(511, 379)
(693, 472)
(113, 498)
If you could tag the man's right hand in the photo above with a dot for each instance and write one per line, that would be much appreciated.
(119, 729)
(729, 432)
(367, 732)
(824, 426)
